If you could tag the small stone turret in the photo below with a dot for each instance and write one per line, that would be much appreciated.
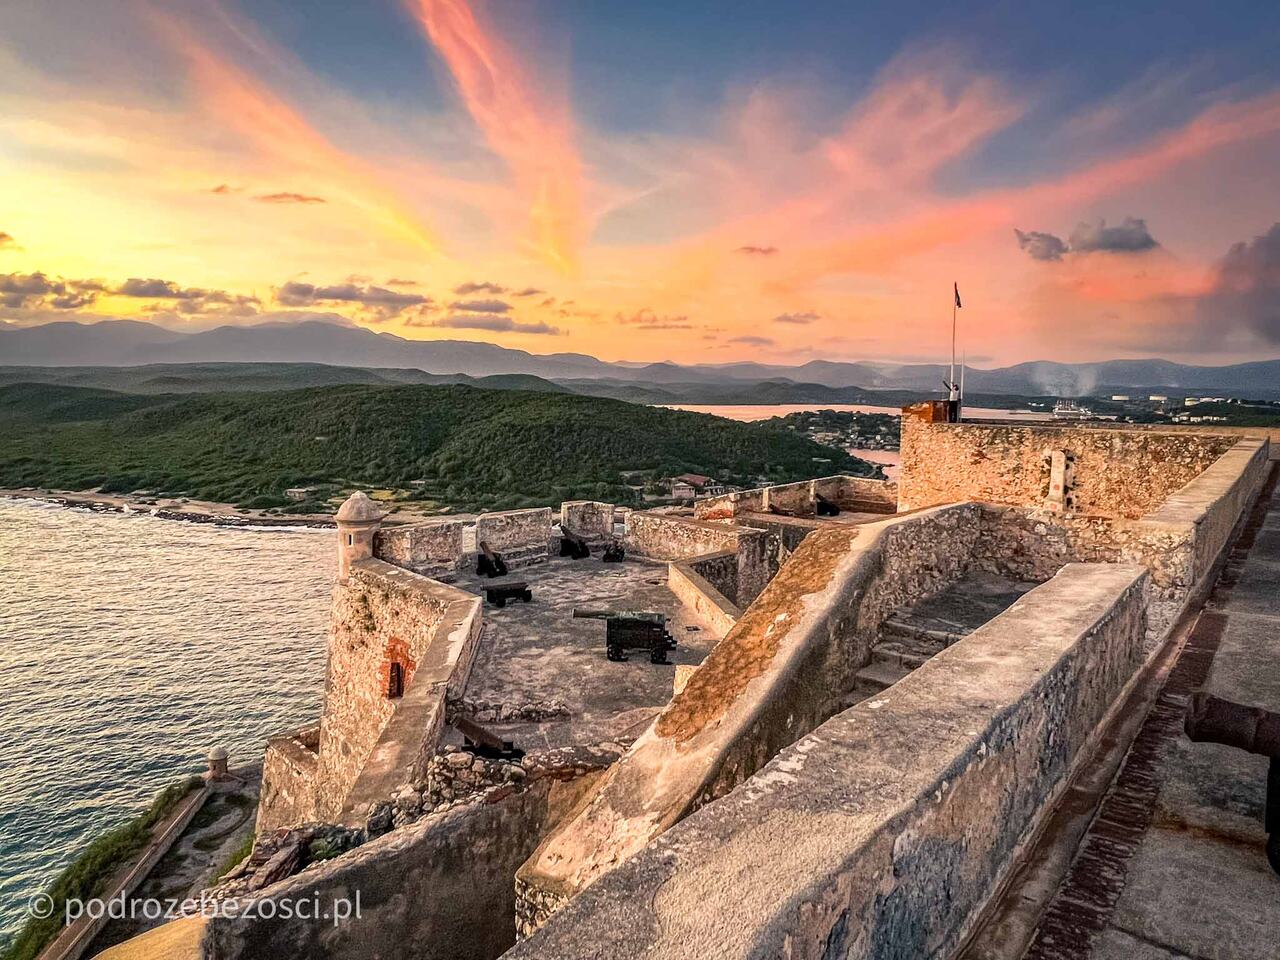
(358, 520)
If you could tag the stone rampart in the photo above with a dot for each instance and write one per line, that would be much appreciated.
(1116, 473)
(521, 536)
(777, 674)
(883, 832)
(430, 548)
(691, 581)
(290, 768)
(440, 888)
(661, 536)
(589, 519)
(849, 493)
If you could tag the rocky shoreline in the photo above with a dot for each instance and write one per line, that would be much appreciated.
(168, 508)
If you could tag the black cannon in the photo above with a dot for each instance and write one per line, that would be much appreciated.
(1211, 719)
(499, 593)
(483, 743)
(632, 630)
(572, 545)
(613, 553)
(490, 564)
(824, 507)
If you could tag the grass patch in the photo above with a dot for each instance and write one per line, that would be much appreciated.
(237, 855)
(87, 875)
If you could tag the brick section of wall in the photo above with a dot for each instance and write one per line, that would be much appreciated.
(521, 536)
(1118, 473)
(590, 519)
(426, 548)
(884, 832)
(699, 594)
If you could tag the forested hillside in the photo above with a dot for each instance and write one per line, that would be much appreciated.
(468, 447)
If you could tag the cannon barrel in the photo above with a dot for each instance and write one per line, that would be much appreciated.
(1214, 720)
(589, 613)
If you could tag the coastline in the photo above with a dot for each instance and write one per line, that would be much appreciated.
(169, 508)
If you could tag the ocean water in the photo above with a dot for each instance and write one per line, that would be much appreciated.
(129, 646)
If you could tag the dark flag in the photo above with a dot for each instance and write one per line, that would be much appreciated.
(958, 303)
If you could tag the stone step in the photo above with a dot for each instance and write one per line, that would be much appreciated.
(879, 675)
(890, 652)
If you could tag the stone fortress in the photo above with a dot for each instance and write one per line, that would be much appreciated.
(881, 695)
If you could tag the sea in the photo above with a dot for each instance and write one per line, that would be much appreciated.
(129, 646)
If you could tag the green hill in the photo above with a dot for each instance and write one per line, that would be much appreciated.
(472, 447)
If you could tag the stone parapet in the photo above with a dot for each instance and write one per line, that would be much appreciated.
(589, 519)
(521, 536)
(884, 831)
(431, 549)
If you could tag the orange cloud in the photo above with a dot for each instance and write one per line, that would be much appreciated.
(534, 138)
(249, 107)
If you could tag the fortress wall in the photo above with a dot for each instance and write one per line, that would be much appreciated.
(687, 579)
(883, 832)
(801, 497)
(439, 889)
(521, 536)
(588, 518)
(382, 615)
(426, 548)
(290, 768)
(1179, 542)
(775, 676)
(664, 537)
(1118, 473)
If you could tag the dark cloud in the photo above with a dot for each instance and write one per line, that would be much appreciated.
(484, 286)
(484, 321)
(646, 319)
(298, 294)
(157, 289)
(1131, 236)
(225, 188)
(528, 292)
(1247, 290)
(6, 240)
(287, 197)
(753, 341)
(755, 251)
(481, 306)
(806, 317)
(38, 291)
(187, 299)
(1041, 246)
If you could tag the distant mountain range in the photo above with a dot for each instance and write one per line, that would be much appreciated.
(120, 343)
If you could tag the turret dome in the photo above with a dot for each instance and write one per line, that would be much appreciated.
(358, 508)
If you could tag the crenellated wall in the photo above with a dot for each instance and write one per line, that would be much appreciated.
(1117, 473)
(883, 832)
(430, 548)
(521, 536)
(849, 493)
(660, 536)
(589, 519)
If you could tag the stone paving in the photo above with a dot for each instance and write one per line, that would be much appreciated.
(536, 652)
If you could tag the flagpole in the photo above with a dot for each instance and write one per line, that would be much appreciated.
(952, 378)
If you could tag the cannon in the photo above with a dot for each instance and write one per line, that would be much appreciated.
(499, 593)
(613, 553)
(1212, 719)
(490, 564)
(572, 545)
(824, 507)
(632, 630)
(484, 743)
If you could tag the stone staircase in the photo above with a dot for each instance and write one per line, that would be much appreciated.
(912, 635)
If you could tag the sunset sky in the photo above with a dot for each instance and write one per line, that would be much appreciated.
(699, 182)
